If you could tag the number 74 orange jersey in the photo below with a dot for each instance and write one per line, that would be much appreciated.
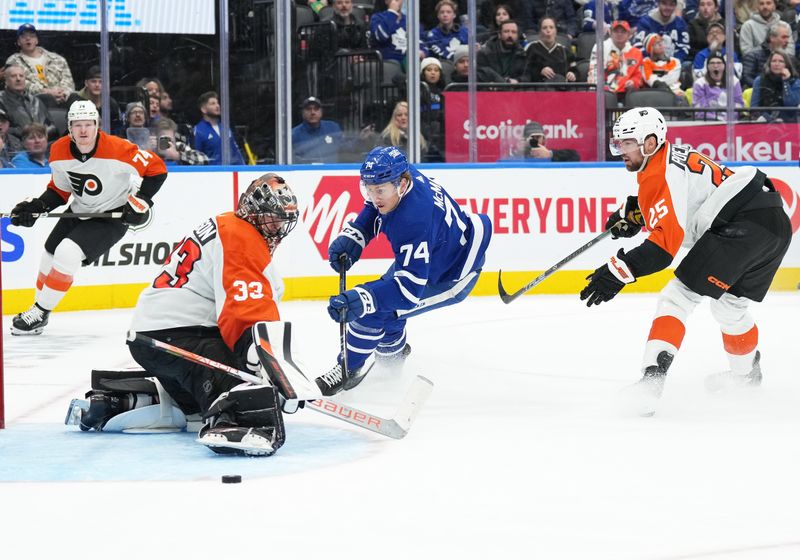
(681, 191)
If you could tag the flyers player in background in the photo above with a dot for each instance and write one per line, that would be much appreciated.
(735, 228)
(101, 173)
(214, 287)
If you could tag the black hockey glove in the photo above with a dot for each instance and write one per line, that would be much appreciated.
(607, 281)
(626, 221)
(349, 243)
(25, 213)
(136, 211)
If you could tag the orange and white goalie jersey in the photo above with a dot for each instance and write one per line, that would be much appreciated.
(217, 276)
(104, 181)
(681, 191)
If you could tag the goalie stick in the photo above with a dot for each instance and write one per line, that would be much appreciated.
(395, 427)
(508, 298)
(71, 215)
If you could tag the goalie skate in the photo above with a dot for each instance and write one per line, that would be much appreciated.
(236, 440)
(727, 381)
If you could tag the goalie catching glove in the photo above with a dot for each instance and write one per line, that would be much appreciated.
(626, 221)
(607, 281)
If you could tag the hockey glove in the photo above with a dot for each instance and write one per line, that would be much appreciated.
(350, 242)
(25, 213)
(626, 221)
(136, 211)
(607, 281)
(356, 303)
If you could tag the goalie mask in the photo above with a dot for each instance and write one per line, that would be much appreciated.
(271, 206)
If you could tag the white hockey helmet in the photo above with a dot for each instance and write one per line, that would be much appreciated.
(82, 111)
(637, 124)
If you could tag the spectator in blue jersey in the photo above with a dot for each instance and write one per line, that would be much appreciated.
(662, 20)
(439, 251)
(589, 17)
(633, 10)
(388, 32)
(716, 43)
(206, 132)
(315, 140)
(448, 35)
(34, 139)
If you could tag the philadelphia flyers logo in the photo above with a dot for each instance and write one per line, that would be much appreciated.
(85, 184)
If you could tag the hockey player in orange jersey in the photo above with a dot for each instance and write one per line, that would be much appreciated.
(102, 173)
(735, 228)
(215, 286)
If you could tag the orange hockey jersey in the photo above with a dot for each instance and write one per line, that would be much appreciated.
(217, 276)
(681, 191)
(104, 181)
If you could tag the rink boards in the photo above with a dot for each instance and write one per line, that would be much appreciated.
(539, 213)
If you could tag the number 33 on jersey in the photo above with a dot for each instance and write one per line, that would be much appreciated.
(215, 276)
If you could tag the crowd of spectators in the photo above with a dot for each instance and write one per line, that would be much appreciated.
(38, 89)
(675, 46)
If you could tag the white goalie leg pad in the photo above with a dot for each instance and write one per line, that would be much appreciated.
(152, 419)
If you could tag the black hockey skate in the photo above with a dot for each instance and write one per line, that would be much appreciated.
(32, 321)
(643, 396)
(102, 407)
(727, 380)
(237, 440)
(333, 382)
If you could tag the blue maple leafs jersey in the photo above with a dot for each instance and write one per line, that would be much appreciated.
(433, 239)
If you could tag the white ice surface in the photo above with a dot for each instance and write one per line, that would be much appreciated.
(520, 452)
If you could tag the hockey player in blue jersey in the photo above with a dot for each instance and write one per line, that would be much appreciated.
(439, 251)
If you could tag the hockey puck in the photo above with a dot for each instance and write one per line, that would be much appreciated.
(231, 478)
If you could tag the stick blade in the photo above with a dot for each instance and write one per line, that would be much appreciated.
(504, 295)
(410, 408)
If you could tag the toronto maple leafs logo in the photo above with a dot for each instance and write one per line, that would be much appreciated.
(83, 183)
(400, 40)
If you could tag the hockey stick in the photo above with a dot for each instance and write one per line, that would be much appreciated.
(395, 427)
(71, 215)
(343, 317)
(508, 298)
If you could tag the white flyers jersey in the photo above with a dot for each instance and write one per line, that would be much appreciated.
(104, 181)
(681, 191)
(216, 276)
